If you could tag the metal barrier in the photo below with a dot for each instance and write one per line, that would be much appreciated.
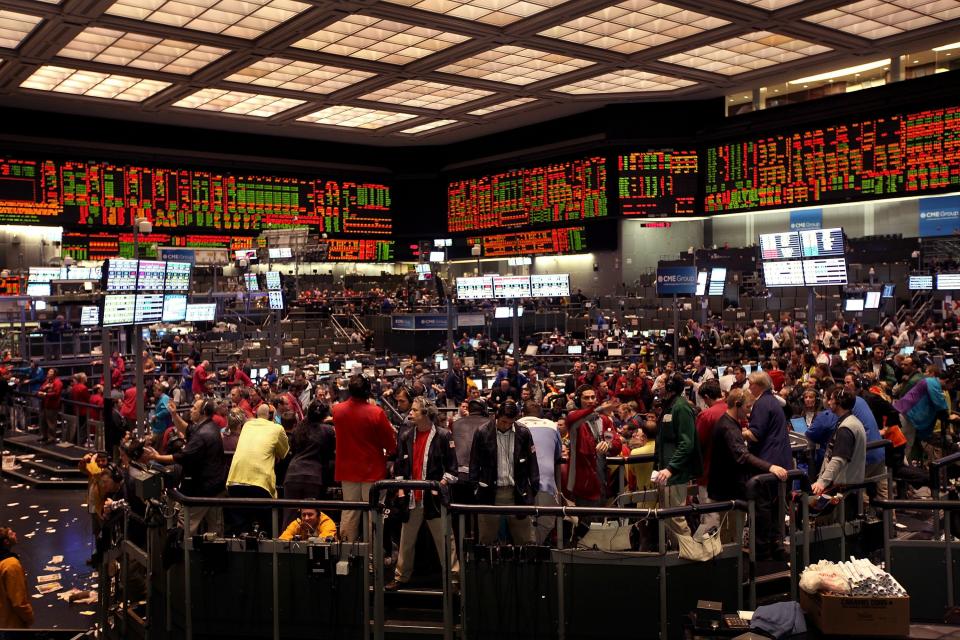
(937, 483)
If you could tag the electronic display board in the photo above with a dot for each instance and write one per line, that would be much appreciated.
(43, 274)
(273, 280)
(817, 243)
(897, 155)
(10, 286)
(657, 183)
(148, 308)
(888, 290)
(201, 312)
(276, 300)
(550, 285)
(718, 279)
(853, 304)
(251, 282)
(825, 271)
(701, 283)
(89, 316)
(121, 275)
(280, 253)
(348, 250)
(920, 283)
(780, 246)
(946, 281)
(76, 194)
(178, 276)
(511, 287)
(561, 192)
(38, 289)
(474, 288)
(151, 275)
(872, 300)
(785, 273)
(174, 307)
(118, 309)
(564, 240)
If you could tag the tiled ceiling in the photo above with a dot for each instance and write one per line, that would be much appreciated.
(427, 71)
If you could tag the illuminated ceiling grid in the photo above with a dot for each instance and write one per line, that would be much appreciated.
(495, 12)
(238, 18)
(356, 117)
(515, 65)
(14, 27)
(746, 53)
(875, 19)
(140, 51)
(426, 95)
(624, 81)
(295, 75)
(92, 84)
(237, 102)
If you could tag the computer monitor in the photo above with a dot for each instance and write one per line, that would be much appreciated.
(324, 367)
(284, 369)
(575, 349)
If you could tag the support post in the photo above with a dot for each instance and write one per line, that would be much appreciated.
(676, 328)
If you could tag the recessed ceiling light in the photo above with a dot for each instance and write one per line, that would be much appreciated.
(482, 111)
(92, 84)
(237, 102)
(916, 62)
(839, 73)
(239, 18)
(624, 81)
(947, 47)
(140, 51)
(14, 27)
(429, 126)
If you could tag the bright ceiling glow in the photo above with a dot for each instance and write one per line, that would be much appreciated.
(356, 117)
(839, 73)
(92, 84)
(237, 102)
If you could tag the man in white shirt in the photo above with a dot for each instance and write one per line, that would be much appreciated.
(546, 439)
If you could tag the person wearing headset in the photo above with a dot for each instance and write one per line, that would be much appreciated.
(677, 450)
(592, 437)
(503, 467)
(846, 457)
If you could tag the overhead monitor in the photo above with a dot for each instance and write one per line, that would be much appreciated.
(853, 304)
(502, 312)
(552, 285)
(780, 246)
(148, 308)
(273, 280)
(118, 309)
(178, 276)
(89, 316)
(250, 255)
(38, 289)
(888, 290)
(151, 275)
(718, 279)
(872, 300)
(251, 282)
(278, 253)
(201, 312)
(323, 367)
(43, 274)
(121, 275)
(174, 307)
(920, 283)
(825, 271)
(474, 288)
(788, 273)
(948, 281)
(575, 349)
(76, 273)
(701, 283)
(511, 287)
(818, 243)
(436, 256)
(276, 300)
(423, 268)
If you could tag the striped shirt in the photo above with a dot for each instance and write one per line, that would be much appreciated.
(505, 442)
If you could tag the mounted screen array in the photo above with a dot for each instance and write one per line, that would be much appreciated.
(803, 258)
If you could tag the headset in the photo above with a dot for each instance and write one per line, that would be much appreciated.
(844, 399)
(675, 384)
(429, 409)
(208, 408)
(508, 409)
(115, 473)
(578, 394)
(477, 406)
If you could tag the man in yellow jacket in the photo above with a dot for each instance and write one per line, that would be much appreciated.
(311, 524)
(15, 609)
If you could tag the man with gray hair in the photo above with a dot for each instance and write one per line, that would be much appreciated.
(767, 437)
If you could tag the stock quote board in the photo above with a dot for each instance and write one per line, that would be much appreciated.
(657, 183)
(899, 155)
(557, 241)
(558, 193)
(184, 202)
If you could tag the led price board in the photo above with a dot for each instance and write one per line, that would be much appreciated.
(121, 275)
(657, 183)
(174, 307)
(825, 271)
(38, 289)
(280, 253)
(946, 281)
(148, 308)
(920, 283)
(786, 273)
(818, 243)
(718, 279)
(151, 275)
(780, 246)
(10, 286)
(553, 285)
(276, 300)
(474, 288)
(897, 155)
(43, 274)
(183, 201)
(118, 309)
(565, 240)
(251, 282)
(89, 316)
(178, 276)
(201, 312)
(273, 280)
(511, 287)
(560, 192)
(346, 250)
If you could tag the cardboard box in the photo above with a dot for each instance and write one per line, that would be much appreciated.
(848, 616)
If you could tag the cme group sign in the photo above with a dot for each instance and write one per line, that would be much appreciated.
(681, 281)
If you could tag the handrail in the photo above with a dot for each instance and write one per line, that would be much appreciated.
(200, 501)
(617, 461)
(919, 505)
(763, 478)
(936, 466)
(413, 485)
(608, 512)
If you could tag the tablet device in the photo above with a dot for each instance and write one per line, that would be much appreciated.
(799, 425)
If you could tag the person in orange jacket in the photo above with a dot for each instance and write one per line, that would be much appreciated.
(15, 609)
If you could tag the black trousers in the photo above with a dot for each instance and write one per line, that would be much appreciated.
(768, 518)
(240, 520)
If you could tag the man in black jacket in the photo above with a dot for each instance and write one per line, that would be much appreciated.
(455, 386)
(503, 464)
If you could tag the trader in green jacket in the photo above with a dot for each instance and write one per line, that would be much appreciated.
(678, 451)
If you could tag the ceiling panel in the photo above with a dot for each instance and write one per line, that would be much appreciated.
(515, 65)
(140, 51)
(624, 81)
(237, 102)
(426, 95)
(875, 19)
(746, 53)
(355, 117)
(495, 12)
(238, 18)
(92, 84)
(297, 75)
(14, 27)
(429, 126)
(509, 104)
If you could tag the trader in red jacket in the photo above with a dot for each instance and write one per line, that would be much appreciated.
(364, 441)
(592, 436)
(50, 392)
(200, 375)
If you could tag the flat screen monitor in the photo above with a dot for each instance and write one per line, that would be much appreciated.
(780, 246)
(888, 290)
(174, 307)
(205, 312)
(284, 369)
(76, 273)
(118, 309)
(323, 367)
(920, 283)
(38, 289)
(273, 280)
(151, 275)
(948, 281)
(872, 301)
(89, 316)
(575, 349)
(853, 304)
(474, 288)
(149, 308)
(511, 287)
(43, 274)
(250, 255)
(251, 282)
(701, 283)
(718, 279)
(906, 351)
(278, 253)
(178, 276)
(121, 275)
(436, 256)
(502, 312)
(825, 271)
(787, 273)
(820, 243)
(276, 300)
(350, 364)
(444, 365)
(552, 285)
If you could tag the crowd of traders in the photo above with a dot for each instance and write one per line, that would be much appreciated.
(530, 438)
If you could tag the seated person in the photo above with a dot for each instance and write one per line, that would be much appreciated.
(311, 524)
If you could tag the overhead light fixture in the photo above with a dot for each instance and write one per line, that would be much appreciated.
(948, 47)
(839, 73)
